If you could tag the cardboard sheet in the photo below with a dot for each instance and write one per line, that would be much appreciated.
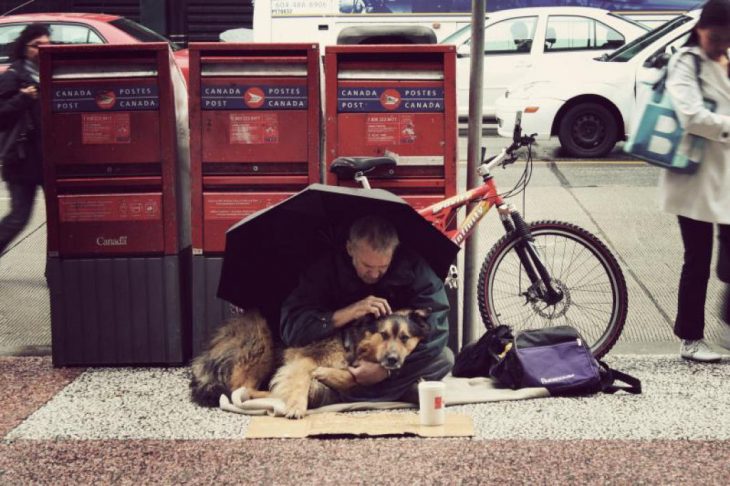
(368, 425)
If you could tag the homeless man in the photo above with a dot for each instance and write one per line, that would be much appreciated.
(372, 275)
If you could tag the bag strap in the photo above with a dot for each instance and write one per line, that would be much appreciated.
(660, 83)
(634, 384)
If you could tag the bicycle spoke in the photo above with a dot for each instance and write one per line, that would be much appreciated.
(578, 269)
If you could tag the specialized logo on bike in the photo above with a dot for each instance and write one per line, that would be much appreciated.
(247, 97)
(110, 98)
(385, 99)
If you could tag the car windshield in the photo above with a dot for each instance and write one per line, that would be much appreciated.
(457, 37)
(141, 33)
(627, 52)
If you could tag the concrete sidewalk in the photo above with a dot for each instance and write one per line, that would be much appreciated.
(132, 426)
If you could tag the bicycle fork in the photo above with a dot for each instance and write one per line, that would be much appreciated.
(542, 287)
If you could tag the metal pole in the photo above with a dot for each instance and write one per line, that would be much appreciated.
(471, 256)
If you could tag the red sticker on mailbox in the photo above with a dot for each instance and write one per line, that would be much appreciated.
(109, 208)
(235, 207)
(390, 129)
(259, 128)
(105, 128)
(438, 402)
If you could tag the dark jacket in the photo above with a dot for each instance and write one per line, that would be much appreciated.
(23, 162)
(332, 283)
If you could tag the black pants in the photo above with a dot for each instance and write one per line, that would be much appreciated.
(697, 238)
(403, 385)
(22, 199)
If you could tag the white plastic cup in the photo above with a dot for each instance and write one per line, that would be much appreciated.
(431, 404)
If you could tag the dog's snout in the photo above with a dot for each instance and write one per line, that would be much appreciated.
(392, 361)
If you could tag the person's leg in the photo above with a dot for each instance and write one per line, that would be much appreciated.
(401, 384)
(435, 371)
(22, 198)
(723, 258)
(723, 273)
(697, 238)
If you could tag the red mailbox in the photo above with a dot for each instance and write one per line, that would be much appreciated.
(254, 140)
(396, 98)
(117, 195)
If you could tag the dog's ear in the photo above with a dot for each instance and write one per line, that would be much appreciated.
(418, 320)
(353, 333)
(366, 323)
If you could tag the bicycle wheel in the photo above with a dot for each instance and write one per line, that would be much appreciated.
(595, 300)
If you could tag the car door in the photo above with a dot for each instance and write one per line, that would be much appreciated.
(509, 47)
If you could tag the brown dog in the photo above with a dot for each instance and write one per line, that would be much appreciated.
(310, 373)
(242, 355)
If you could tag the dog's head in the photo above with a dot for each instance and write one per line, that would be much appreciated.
(389, 340)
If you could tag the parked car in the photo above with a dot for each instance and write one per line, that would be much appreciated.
(84, 28)
(588, 104)
(518, 40)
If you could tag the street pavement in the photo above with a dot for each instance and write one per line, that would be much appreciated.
(130, 425)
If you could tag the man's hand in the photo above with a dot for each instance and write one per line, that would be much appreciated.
(376, 306)
(31, 91)
(367, 373)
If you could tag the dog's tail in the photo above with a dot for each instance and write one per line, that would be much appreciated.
(209, 380)
(240, 354)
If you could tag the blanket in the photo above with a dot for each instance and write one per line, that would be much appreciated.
(459, 391)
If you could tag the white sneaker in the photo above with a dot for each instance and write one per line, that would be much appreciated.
(698, 350)
(724, 340)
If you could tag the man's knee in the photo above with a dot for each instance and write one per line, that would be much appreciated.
(440, 366)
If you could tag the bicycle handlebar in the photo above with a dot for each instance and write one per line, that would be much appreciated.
(507, 155)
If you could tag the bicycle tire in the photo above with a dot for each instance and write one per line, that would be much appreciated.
(600, 326)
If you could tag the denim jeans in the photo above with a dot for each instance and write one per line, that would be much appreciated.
(22, 199)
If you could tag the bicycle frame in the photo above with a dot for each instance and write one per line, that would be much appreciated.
(441, 213)
(486, 196)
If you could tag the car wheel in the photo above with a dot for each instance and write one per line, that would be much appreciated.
(588, 130)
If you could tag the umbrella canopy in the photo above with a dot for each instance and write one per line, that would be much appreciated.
(266, 252)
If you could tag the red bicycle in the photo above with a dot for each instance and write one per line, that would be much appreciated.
(538, 274)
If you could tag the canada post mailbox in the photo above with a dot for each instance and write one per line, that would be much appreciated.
(400, 99)
(255, 131)
(117, 191)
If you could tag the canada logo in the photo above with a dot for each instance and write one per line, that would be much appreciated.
(106, 99)
(390, 99)
(254, 97)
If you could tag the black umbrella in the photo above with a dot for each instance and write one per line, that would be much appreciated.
(266, 252)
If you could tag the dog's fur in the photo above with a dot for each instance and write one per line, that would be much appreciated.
(241, 354)
(310, 373)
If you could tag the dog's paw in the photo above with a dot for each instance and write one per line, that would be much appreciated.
(295, 410)
(321, 373)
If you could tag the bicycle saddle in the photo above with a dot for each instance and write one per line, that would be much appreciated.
(347, 167)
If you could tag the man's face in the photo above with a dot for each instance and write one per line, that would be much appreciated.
(369, 264)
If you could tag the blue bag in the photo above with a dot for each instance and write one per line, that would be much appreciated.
(558, 359)
(656, 134)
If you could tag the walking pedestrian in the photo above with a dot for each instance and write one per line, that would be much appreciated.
(701, 200)
(20, 140)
